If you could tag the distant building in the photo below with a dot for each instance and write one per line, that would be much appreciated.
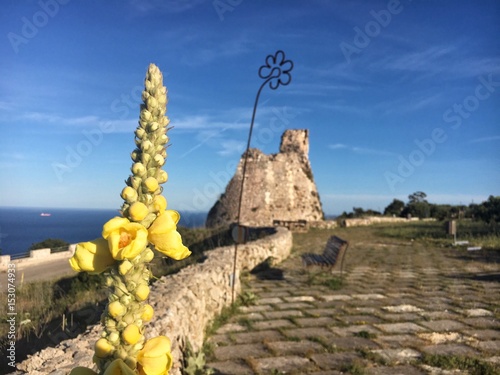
(278, 187)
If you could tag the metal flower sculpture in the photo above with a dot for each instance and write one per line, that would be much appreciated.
(276, 72)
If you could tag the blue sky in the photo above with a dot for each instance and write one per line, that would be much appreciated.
(399, 96)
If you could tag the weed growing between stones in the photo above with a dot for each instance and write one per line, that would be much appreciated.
(325, 279)
(195, 363)
(473, 366)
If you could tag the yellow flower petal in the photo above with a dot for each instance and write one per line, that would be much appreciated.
(155, 357)
(93, 256)
(159, 204)
(103, 348)
(147, 313)
(162, 233)
(129, 194)
(126, 240)
(131, 335)
(142, 292)
(116, 309)
(138, 211)
(151, 184)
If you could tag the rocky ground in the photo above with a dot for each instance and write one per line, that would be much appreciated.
(405, 307)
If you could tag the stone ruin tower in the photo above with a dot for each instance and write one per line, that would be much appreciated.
(277, 187)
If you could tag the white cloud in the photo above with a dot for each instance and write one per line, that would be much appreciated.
(361, 150)
(231, 147)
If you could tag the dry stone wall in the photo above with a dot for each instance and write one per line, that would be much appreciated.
(277, 187)
(184, 304)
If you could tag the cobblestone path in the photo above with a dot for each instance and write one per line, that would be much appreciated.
(400, 304)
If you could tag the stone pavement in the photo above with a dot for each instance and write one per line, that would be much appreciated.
(399, 304)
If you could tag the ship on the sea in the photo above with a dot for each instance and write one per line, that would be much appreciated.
(45, 214)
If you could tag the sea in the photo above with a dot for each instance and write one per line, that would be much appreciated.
(22, 227)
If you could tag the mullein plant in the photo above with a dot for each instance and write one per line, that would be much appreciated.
(125, 249)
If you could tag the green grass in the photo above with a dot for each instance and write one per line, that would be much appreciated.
(325, 279)
(473, 366)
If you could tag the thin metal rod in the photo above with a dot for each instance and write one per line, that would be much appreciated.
(243, 173)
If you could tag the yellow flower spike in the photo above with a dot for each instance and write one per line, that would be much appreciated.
(116, 309)
(147, 313)
(138, 211)
(93, 256)
(124, 267)
(142, 292)
(151, 184)
(155, 357)
(163, 235)
(103, 348)
(159, 204)
(132, 334)
(126, 240)
(118, 367)
(129, 194)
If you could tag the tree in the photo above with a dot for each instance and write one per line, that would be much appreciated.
(395, 208)
(417, 197)
(417, 205)
(49, 243)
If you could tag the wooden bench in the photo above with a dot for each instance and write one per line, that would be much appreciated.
(332, 257)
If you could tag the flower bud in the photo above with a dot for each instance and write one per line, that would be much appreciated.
(124, 267)
(151, 184)
(151, 102)
(116, 309)
(110, 324)
(114, 338)
(103, 348)
(135, 182)
(159, 203)
(146, 145)
(145, 96)
(160, 160)
(162, 176)
(135, 155)
(131, 285)
(138, 211)
(153, 126)
(129, 194)
(147, 313)
(125, 299)
(142, 292)
(148, 255)
(129, 318)
(138, 169)
(131, 334)
(145, 115)
(140, 132)
(146, 158)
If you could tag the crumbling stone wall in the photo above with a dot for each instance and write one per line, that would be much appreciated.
(277, 187)
(184, 304)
